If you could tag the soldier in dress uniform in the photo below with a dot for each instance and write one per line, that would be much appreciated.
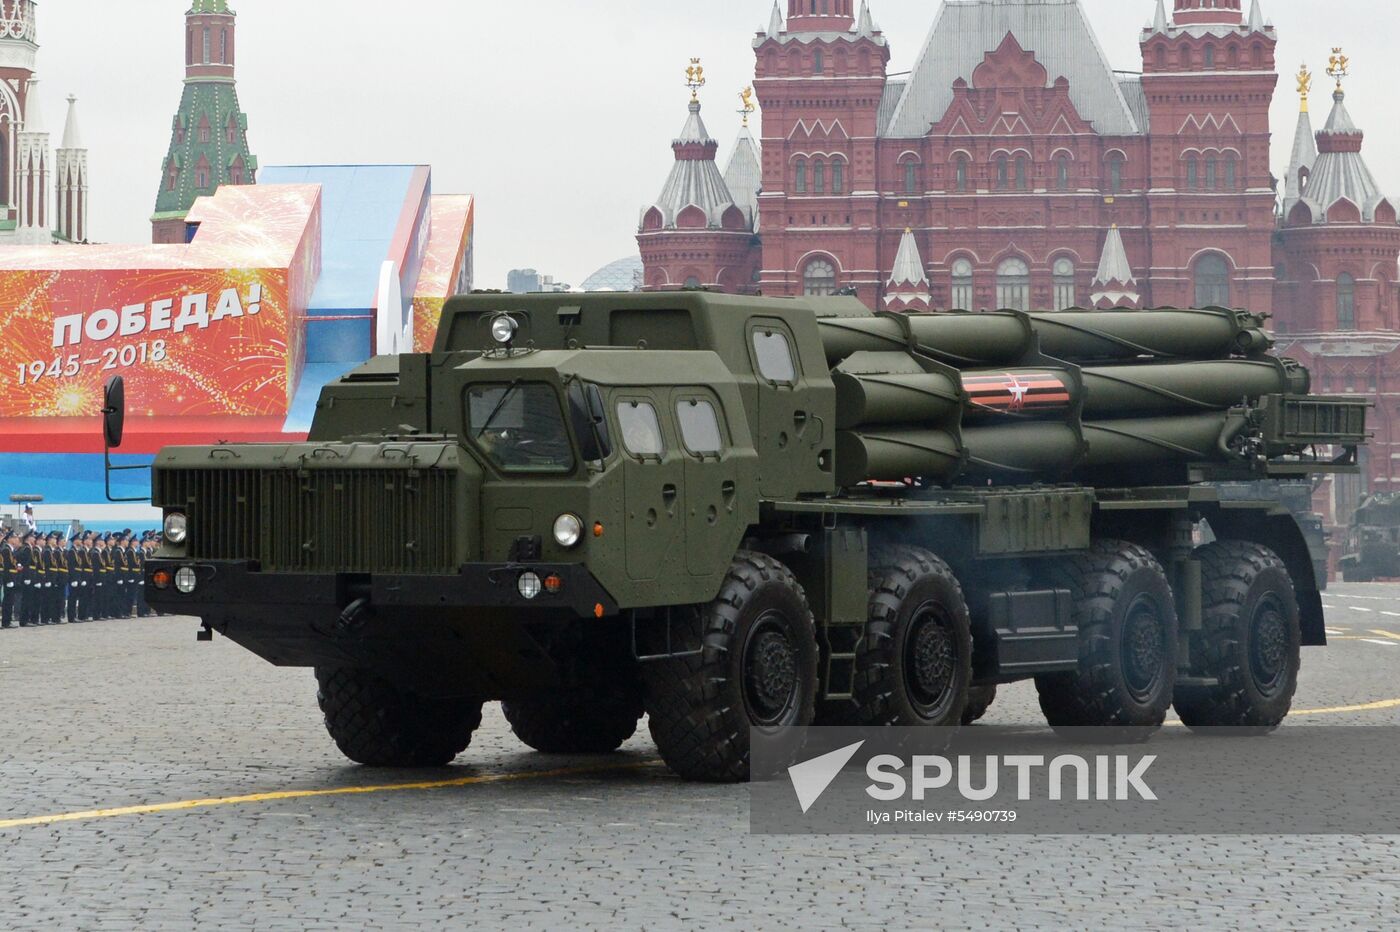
(28, 595)
(39, 573)
(121, 601)
(138, 576)
(85, 588)
(101, 576)
(10, 573)
(73, 558)
(58, 579)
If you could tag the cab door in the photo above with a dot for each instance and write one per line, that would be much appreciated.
(654, 480)
(711, 481)
(787, 435)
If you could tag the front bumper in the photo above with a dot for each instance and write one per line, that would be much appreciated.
(226, 586)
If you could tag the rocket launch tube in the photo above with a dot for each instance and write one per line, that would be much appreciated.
(935, 399)
(1026, 451)
(1006, 338)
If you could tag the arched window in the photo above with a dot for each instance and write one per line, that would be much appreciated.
(1256, 56)
(205, 131)
(1022, 172)
(189, 48)
(1062, 172)
(223, 47)
(1115, 172)
(206, 47)
(1231, 173)
(801, 176)
(962, 171)
(1066, 295)
(819, 177)
(202, 180)
(911, 177)
(1234, 57)
(1212, 281)
(1193, 172)
(838, 176)
(819, 278)
(1212, 173)
(1346, 302)
(962, 285)
(1003, 172)
(1013, 285)
(1210, 58)
(172, 176)
(235, 171)
(818, 62)
(1161, 58)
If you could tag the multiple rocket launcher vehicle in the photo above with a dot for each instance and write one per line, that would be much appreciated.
(731, 512)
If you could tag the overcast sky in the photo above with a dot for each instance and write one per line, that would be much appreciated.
(556, 114)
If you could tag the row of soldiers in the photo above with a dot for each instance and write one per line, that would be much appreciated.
(47, 581)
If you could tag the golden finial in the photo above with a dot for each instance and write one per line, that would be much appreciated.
(1304, 85)
(1337, 66)
(695, 78)
(746, 96)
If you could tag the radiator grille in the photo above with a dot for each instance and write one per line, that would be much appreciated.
(319, 520)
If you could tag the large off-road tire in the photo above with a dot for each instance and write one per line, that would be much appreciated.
(380, 724)
(979, 702)
(914, 664)
(587, 720)
(1126, 615)
(1250, 641)
(756, 667)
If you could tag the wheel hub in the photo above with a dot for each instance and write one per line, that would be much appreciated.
(1142, 648)
(770, 671)
(930, 660)
(1268, 653)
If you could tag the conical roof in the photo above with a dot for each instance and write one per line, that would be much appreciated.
(695, 179)
(33, 112)
(908, 263)
(744, 175)
(72, 138)
(1302, 160)
(1114, 283)
(1339, 172)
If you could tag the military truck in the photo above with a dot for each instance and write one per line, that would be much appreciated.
(732, 513)
(1373, 540)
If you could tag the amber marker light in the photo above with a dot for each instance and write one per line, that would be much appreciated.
(161, 579)
(598, 529)
(553, 583)
(598, 610)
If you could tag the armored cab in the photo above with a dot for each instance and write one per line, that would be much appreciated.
(740, 512)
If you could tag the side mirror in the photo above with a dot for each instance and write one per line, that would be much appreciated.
(114, 411)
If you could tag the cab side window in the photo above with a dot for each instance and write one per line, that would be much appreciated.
(641, 429)
(773, 353)
(699, 426)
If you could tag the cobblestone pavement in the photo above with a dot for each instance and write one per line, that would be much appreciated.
(136, 713)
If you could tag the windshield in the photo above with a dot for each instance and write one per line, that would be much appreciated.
(519, 426)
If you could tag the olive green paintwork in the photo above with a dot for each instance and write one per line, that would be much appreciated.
(668, 526)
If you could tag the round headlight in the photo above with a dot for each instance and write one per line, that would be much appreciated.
(175, 528)
(568, 530)
(185, 579)
(503, 328)
(529, 584)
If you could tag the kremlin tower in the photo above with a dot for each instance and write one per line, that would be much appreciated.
(32, 176)
(209, 135)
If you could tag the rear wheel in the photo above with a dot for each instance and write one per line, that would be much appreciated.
(914, 665)
(1250, 641)
(578, 721)
(1124, 608)
(383, 724)
(757, 668)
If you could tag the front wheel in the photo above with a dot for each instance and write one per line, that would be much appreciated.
(383, 724)
(756, 667)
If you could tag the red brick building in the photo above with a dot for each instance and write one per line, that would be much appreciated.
(1014, 167)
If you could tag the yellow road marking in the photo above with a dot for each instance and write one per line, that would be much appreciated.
(187, 804)
(1365, 707)
(1386, 634)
